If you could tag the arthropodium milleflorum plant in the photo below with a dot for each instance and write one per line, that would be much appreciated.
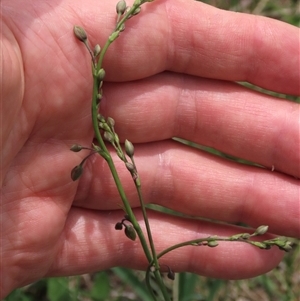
(104, 131)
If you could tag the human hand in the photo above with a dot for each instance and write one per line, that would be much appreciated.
(171, 73)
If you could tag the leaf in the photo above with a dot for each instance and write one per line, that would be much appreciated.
(57, 289)
(129, 277)
(101, 289)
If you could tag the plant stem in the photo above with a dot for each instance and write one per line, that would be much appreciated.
(106, 155)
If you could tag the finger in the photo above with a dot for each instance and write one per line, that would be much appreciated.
(91, 243)
(204, 41)
(11, 93)
(197, 184)
(184, 37)
(218, 114)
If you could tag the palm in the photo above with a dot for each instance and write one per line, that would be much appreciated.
(50, 110)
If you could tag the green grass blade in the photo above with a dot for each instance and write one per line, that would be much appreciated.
(130, 278)
(57, 289)
(187, 283)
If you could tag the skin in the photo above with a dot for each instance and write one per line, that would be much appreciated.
(171, 73)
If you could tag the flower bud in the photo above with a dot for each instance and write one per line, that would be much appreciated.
(136, 11)
(76, 148)
(261, 230)
(119, 226)
(101, 74)
(97, 50)
(114, 36)
(111, 122)
(212, 243)
(80, 33)
(287, 246)
(245, 236)
(130, 232)
(130, 167)
(171, 274)
(76, 172)
(122, 28)
(101, 118)
(121, 7)
(108, 137)
(261, 245)
(129, 148)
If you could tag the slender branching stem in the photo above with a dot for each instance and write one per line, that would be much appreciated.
(100, 126)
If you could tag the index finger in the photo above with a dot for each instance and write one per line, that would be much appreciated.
(179, 35)
(194, 38)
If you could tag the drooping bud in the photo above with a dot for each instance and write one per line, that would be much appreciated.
(121, 7)
(119, 226)
(129, 148)
(126, 217)
(76, 172)
(76, 148)
(171, 274)
(97, 50)
(80, 33)
(130, 232)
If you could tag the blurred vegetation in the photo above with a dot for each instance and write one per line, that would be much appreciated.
(284, 10)
(119, 284)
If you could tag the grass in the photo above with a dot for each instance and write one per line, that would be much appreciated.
(119, 284)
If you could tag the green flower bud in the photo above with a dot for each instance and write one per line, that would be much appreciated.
(121, 7)
(129, 148)
(109, 137)
(122, 28)
(136, 11)
(261, 230)
(212, 243)
(80, 33)
(110, 122)
(130, 232)
(76, 172)
(99, 97)
(101, 118)
(245, 236)
(97, 50)
(101, 74)
(130, 167)
(76, 148)
(117, 138)
(114, 36)
(287, 246)
(261, 245)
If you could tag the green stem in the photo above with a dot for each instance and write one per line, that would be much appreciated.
(138, 185)
(154, 255)
(106, 155)
(116, 33)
